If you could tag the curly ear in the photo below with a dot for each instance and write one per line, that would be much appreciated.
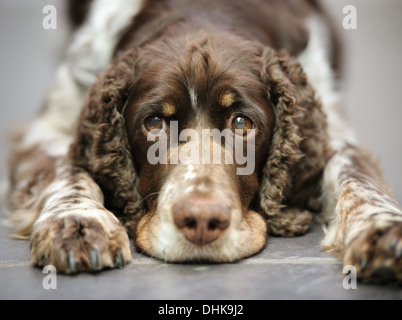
(299, 147)
(101, 144)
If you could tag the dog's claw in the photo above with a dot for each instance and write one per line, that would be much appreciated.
(71, 261)
(363, 263)
(119, 260)
(94, 259)
(399, 252)
(397, 246)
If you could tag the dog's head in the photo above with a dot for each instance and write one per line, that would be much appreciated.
(199, 140)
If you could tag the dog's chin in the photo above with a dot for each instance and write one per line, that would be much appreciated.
(163, 240)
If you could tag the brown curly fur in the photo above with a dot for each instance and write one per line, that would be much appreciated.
(299, 150)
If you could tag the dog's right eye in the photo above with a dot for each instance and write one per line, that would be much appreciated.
(241, 124)
(154, 124)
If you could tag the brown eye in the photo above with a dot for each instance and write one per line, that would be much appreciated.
(243, 124)
(154, 124)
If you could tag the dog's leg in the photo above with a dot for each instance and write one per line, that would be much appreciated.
(59, 206)
(74, 231)
(64, 210)
(365, 223)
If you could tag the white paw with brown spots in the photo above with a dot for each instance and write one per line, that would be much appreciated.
(74, 243)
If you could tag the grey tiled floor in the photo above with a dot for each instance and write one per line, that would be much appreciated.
(287, 269)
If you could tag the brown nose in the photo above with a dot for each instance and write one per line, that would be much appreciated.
(201, 221)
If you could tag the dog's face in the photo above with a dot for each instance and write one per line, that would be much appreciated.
(197, 139)
(199, 125)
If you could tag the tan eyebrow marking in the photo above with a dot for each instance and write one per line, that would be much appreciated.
(227, 99)
(168, 109)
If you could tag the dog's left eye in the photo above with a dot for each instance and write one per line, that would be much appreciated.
(154, 124)
(243, 124)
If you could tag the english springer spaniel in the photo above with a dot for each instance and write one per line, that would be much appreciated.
(198, 128)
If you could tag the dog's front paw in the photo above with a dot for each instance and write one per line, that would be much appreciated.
(377, 254)
(74, 243)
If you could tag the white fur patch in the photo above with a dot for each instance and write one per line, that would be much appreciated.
(93, 47)
(315, 60)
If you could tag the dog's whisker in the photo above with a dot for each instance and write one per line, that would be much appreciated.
(149, 195)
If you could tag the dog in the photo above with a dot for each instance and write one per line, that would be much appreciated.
(115, 151)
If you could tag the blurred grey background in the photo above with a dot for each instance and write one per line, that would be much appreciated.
(29, 55)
